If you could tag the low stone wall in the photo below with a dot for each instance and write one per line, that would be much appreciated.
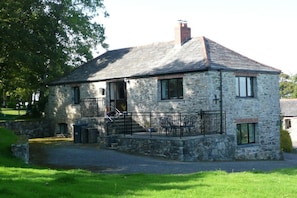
(199, 148)
(21, 149)
(32, 129)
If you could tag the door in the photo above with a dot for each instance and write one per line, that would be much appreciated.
(118, 96)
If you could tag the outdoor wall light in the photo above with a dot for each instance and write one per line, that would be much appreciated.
(126, 80)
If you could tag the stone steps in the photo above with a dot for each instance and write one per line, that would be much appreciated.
(121, 125)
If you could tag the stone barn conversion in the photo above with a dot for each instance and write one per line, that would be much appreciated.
(289, 117)
(189, 99)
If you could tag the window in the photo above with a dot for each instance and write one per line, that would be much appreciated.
(63, 128)
(245, 86)
(287, 123)
(246, 133)
(76, 95)
(172, 89)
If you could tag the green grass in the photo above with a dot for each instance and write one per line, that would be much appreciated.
(11, 114)
(19, 180)
(8, 114)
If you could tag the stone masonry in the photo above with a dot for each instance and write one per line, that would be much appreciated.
(199, 148)
(200, 91)
(31, 129)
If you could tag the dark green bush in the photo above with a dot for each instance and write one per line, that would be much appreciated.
(286, 142)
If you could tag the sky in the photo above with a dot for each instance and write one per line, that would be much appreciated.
(263, 30)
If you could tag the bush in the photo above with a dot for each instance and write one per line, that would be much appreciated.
(286, 142)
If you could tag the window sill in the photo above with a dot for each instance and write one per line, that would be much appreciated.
(247, 145)
(248, 97)
(172, 100)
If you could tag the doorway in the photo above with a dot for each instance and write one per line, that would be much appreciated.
(118, 96)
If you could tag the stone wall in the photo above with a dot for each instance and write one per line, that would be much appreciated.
(200, 90)
(21, 149)
(61, 108)
(32, 129)
(144, 94)
(263, 109)
(199, 148)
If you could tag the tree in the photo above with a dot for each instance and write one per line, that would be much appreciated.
(44, 39)
(288, 86)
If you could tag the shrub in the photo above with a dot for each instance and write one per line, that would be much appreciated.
(286, 142)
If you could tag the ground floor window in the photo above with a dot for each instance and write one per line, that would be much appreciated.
(63, 128)
(246, 133)
(287, 123)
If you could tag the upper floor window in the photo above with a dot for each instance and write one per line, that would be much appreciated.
(245, 86)
(172, 88)
(246, 133)
(76, 95)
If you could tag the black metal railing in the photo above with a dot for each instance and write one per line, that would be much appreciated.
(92, 107)
(168, 123)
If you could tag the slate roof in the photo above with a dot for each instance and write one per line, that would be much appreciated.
(288, 107)
(197, 54)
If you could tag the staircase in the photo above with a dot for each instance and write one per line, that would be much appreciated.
(123, 125)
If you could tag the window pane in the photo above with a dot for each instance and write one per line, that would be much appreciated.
(237, 86)
(172, 88)
(244, 134)
(121, 90)
(76, 95)
(249, 86)
(242, 88)
(252, 133)
(238, 132)
(164, 89)
(180, 88)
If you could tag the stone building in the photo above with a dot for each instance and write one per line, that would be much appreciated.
(188, 75)
(289, 117)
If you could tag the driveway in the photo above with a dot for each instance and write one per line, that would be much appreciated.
(95, 159)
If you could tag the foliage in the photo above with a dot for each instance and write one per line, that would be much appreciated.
(288, 86)
(286, 142)
(42, 40)
(7, 138)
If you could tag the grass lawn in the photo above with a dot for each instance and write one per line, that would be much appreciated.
(11, 114)
(20, 180)
(17, 115)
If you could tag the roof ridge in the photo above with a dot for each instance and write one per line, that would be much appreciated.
(205, 51)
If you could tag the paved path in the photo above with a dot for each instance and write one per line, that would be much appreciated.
(110, 161)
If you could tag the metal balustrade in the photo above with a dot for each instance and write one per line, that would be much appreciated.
(176, 124)
(169, 124)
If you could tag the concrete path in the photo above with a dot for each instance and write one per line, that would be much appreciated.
(92, 158)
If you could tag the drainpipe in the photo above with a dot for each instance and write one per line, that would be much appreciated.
(221, 102)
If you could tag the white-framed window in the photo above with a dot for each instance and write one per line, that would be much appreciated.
(245, 86)
(171, 88)
(246, 133)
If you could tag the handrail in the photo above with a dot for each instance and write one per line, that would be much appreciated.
(183, 123)
(117, 113)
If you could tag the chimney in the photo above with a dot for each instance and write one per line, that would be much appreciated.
(182, 33)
